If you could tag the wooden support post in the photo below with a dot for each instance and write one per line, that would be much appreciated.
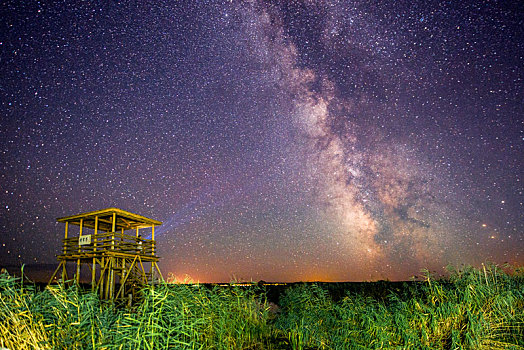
(153, 240)
(78, 260)
(159, 273)
(122, 274)
(65, 237)
(77, 271)
(151, 272)
(54, 273)
(113, 232)
(64, 272)
(112, 278)
(93, 268)
(101, 283)
(144, 276)
(106, 281)
(121, 241)
(108, 278)
(123, 281)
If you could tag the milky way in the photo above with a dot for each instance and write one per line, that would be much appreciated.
(278, 141)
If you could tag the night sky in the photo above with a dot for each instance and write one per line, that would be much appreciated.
(277, 141)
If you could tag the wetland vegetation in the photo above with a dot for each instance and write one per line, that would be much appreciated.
(471, 309)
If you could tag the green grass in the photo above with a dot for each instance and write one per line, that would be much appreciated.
(473, 309)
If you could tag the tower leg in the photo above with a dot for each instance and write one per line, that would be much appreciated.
(112, 279)
(108, 279)
(78, 271)
(159, 273)
(93, 275)
(54, 273)
(64, 272)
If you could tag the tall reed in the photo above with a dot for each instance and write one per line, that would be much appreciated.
(19, 327)
(167, 317)
(196, 317)
(472, 309)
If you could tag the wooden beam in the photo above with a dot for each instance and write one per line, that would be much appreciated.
(158, 269)
(143, 270)
(153, 239)
(123, 281)
(100, 283)
(56, 271)
(112, 278)
(64, 272)
(125, 222)
(93, 268)
(78, 261)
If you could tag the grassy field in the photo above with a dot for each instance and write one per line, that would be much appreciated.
(472, 309)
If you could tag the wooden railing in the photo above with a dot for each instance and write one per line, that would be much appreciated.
(110, 241)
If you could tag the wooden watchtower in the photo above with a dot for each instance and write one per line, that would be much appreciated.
(109, 244)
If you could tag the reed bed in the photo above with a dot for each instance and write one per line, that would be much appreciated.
(472, 309)
(167, 317)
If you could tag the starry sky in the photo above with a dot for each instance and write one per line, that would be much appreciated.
(277, 141)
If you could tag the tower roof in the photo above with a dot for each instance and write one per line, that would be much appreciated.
(124, 220)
